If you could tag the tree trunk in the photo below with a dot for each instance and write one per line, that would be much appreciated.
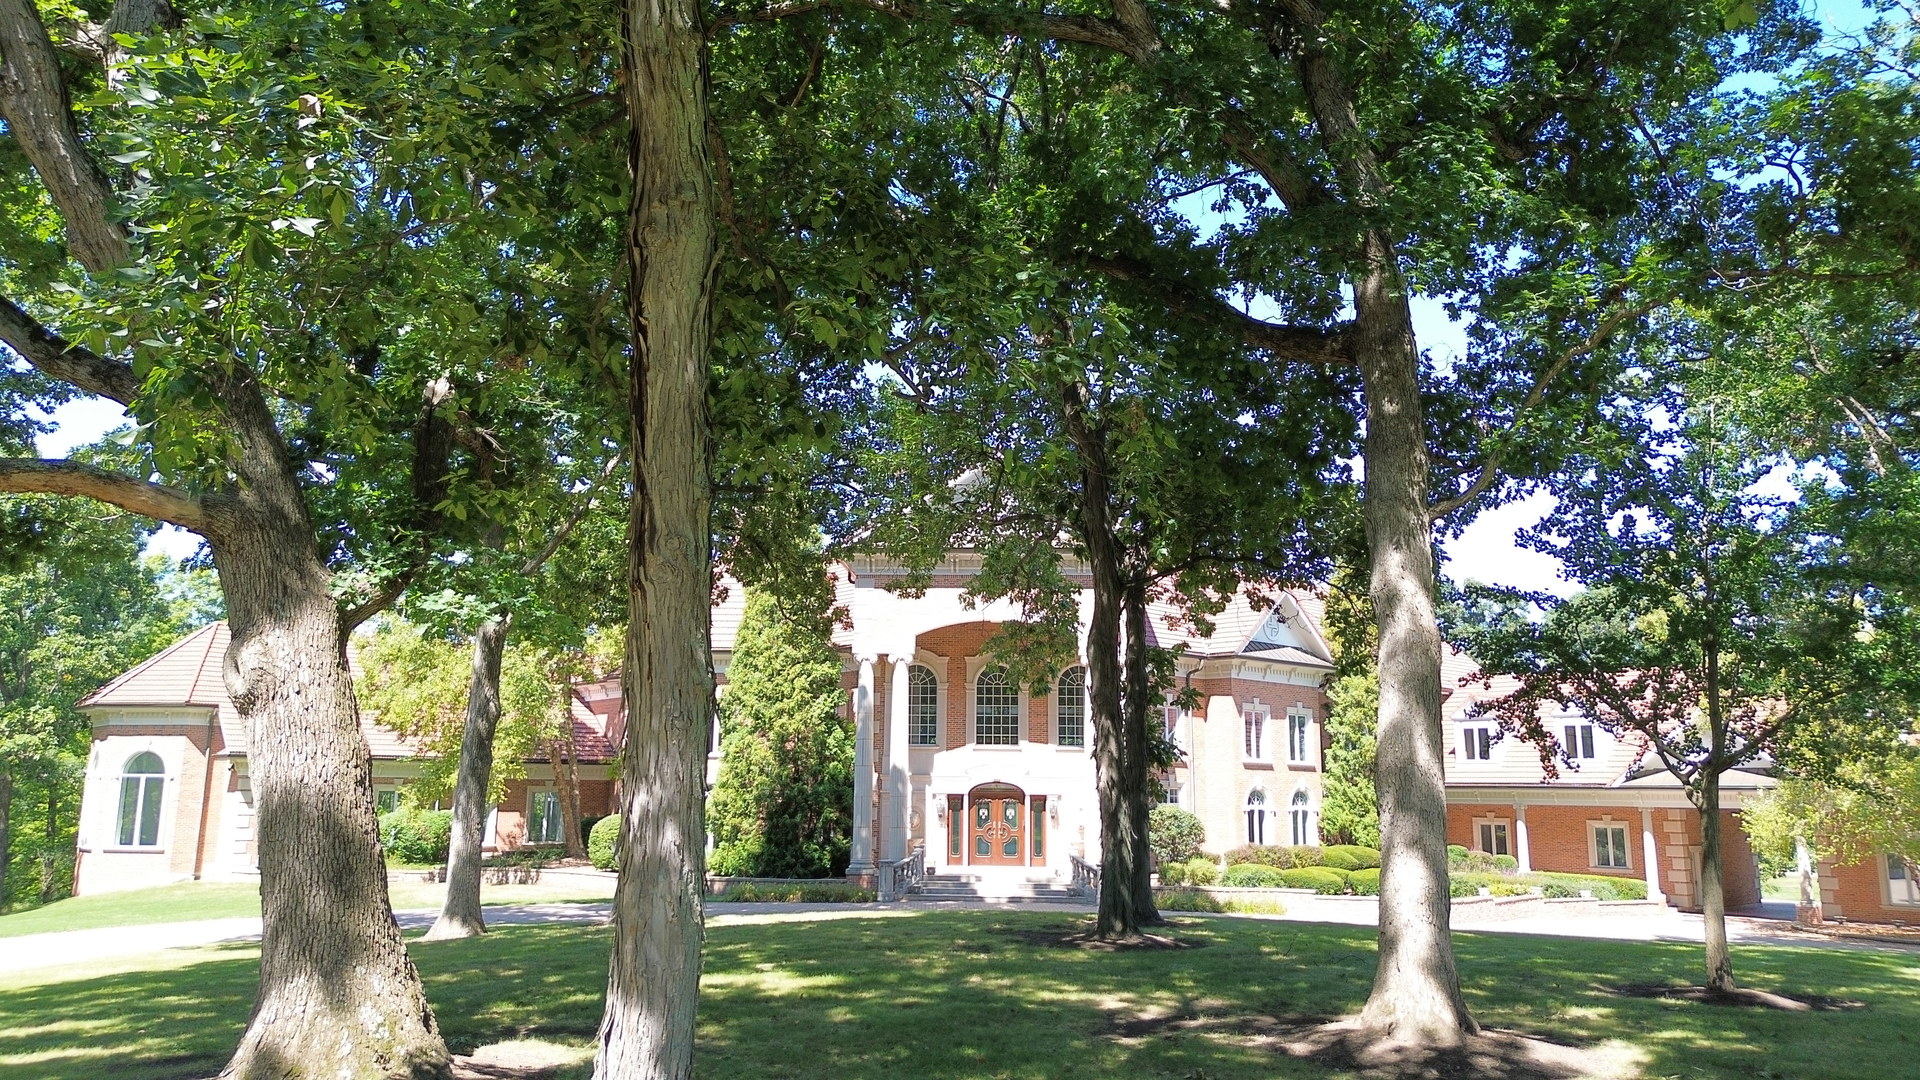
(49, 853)
(1713, 897)
(338, 994)
(1416, 990)
(654, 978)
(1137, 758)
(1122, 840)
(566, 774)
(461, 915)
(6, 831)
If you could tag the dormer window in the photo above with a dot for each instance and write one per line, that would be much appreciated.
(1579, 741)
(1476, 743)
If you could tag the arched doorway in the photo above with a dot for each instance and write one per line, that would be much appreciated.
(998, 826)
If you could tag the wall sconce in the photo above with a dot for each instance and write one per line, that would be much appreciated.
(1053, 809)
(940, 811)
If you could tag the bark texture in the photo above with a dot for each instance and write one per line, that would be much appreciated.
(653, 983)
(338, 995)
(1416, 990)
(566, 775)
(1713, 896)
(461, 915)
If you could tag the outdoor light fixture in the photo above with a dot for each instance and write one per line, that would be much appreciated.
(1053, 809)
(940, 811)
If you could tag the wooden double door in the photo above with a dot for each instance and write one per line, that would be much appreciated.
(1000, 825)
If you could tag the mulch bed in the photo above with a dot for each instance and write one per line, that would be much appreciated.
(1880, 932)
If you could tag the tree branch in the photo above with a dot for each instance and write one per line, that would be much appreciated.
(1490, 469)
(580, 512)
(59, 358)
(64, 477)
(33, 101)
(1306, 344)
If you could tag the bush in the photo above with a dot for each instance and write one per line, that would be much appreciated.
(1173, 834)
(793, 892)
(1324, 880)
(1253, 876)
(534, 857)
(1351, 857)
(603, 843)
(1469, 883)
(1280, 858)
(1186, 900)
(1474, 862)
(1173, 873)
(1202, 871)
(735, 858)
(1365, 882)
(1601, 886)
(416, 837)
(1455, 853)
(1506, 864)
(586, 828)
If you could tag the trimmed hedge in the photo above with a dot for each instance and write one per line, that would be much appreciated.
(1278, 857)
(1173, 873)
(1472, 862)
(1550, 885)
(603, 843)
(1325, 880)
(1202, 871)
(1365, 882)
(1469, 883)
(1174, 835)
(419, 837)
(1351, 857)
(1506, 864)
(1253, 876)
(796, 892)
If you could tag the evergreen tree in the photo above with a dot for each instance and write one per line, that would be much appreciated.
(781, 805)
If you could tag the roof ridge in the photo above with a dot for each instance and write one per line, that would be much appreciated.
(193, 688)
(138, 669)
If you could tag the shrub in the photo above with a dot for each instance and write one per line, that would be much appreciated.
(1186, 900)
(1470, 883)
(1324, 880)
(735, 858)
(1506, 864)
(586, 828)
(416, 837)
(1473, 862)
(1280, 858)
(793, 892)
(1174, 834)
(1601, 886)
(1173, 873)
(1455, 854)
(1365, 882)
(1310, 855)
(1253, 876)
(1202, 871)
(1351, 857)
(603, 843)
(1255, 905)
(534, 857)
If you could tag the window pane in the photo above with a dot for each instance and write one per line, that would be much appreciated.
(1071, 707)
(997, 709)
(150, 811)
(923, 707)
(129, 809)
(1586, 740)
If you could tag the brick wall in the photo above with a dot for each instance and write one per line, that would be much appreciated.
(1216, 776)
(1857, 891)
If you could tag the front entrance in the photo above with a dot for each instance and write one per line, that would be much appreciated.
(997, 826)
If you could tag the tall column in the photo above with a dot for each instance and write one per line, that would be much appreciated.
(896, 801)
(1523, 848)
(1650, 856)
(861, 858)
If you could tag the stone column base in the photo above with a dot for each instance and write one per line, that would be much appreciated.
(1808, 914)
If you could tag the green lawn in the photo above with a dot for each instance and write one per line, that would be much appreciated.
(187, 902)
(952, 995)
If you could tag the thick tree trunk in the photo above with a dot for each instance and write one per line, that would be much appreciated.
(1713, 897)
(1138, 760)
(1416, 990)
(461, 915)
(654, 979)
(1122, 836)
(338, 994)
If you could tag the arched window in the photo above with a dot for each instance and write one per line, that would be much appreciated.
(1256, 816)
(923, 707)
(996, 709)
(1301, 819)
(141, 784)
(1070, 707)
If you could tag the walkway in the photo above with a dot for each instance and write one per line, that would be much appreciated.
(82, 946)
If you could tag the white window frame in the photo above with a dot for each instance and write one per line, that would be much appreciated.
(1300, 819)
(1903, 890)
(917, 692)
(1621, 855)
(1492, 832)
(1476, 742)
(149, 805)
(1577, 742)
(1257, 813)
(1060, 699)
(388, 793)
(1254, 745)
(1170, 794)
(1013, 692)
(558, 812)
(1299, 737)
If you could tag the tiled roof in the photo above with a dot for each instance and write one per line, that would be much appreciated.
(187, 674)
(1241, 628)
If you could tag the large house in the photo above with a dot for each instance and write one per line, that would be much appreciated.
(979, 773)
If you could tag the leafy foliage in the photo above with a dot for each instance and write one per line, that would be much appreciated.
(1174, 834)
(781, 806)
(413, 835)
(603, 843)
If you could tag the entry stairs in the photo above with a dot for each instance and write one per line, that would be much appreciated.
(1014, 885)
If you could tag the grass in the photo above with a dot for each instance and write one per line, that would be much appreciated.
(186, 902)
(193, 901)
(1785, 887)
(964, 995)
